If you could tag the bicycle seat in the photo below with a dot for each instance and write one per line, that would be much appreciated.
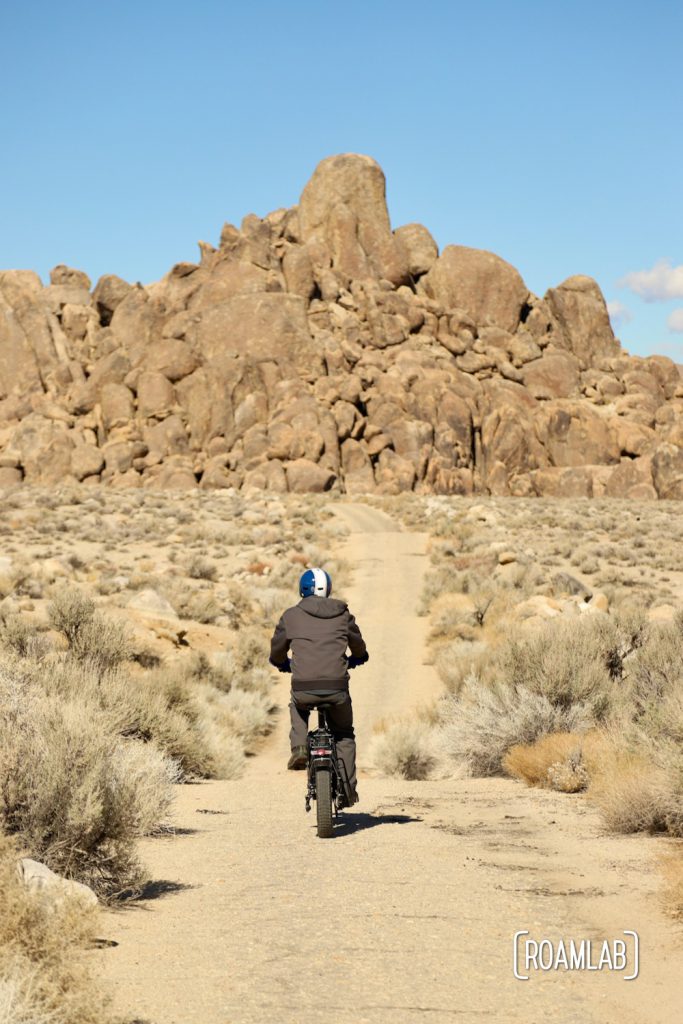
(324, 706)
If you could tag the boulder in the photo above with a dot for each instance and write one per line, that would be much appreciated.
(63, 275)
(507, 436)
(420, 248)
(264, 327)
(487, 288)
(632, 478)
(358, 475)
(108, 294)
(633, 438)
(42, 448)
(667, 471)
(554, 375)
(393, 473)
(226, 280)
(28, 356)
(168, 437)
(10, 476)
(304, 475)
(269, 476)
(149, 602)
(86, 460)
(563, 482)
(135, 323)
(174, 474)
(297, 266)
(343, 207)
(538, 605)
(116, 402)
(50, 887)
(172, 357)
(575, 434)
(579, 307)
(156, 395)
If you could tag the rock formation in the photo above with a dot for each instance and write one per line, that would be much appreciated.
(316, 348)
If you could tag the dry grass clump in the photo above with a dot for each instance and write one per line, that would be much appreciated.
(405, 748)
(71, 788)
(635, 795)
(557, 761)
(43, 979)
(200, 568)
(672, 867)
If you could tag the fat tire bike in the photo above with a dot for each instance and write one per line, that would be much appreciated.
(328, 782)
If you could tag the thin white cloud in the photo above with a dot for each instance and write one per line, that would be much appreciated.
(619, 314)
(659, 284)
(675, 321)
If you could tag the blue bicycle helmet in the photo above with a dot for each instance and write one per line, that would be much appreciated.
(315, 583)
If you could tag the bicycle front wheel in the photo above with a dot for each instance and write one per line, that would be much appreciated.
(323, 802)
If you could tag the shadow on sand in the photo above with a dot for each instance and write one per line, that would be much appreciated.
(350, 823)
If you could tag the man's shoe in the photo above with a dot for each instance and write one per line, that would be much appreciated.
(298, 760)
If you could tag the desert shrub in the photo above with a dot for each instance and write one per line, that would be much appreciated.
(258, 679)
(655, 682)
(454, 617)
(555, 761)
(65, 784)
(405, 748)
(200, 568)
(239, 607)
(251, 650)
(198, 668)
(455, 662)
(43, 977)
(241, 713)
(68, 612)
(481, 724)
(573, 661)
(162, 708)
(447, 579)
(199, 605)
(271, 603)
(633, 794)
(98, 639)
(672, 897)
(21, 637)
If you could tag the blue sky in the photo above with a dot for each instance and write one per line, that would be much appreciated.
(546, 133)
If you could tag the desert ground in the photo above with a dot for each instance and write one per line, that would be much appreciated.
(226, 907)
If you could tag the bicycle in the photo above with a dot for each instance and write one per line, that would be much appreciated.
(328, 781)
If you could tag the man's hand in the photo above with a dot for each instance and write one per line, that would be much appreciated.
(354, 662)
(282, 666)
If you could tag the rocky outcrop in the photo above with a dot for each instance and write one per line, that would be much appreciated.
(316, 348)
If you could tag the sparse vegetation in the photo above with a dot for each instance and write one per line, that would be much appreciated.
(405, 748)
(562, 659)
(43, 978)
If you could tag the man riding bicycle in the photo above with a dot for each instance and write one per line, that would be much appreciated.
(319, 630)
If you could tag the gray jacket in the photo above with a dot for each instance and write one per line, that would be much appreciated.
(318, 630)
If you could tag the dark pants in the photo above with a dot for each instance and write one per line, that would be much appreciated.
(340, 718)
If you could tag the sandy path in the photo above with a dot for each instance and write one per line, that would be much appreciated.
(408, 914)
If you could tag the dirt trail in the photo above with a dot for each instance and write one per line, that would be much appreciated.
(408, 913)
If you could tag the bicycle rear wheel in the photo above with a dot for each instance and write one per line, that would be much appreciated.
(323, 802)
